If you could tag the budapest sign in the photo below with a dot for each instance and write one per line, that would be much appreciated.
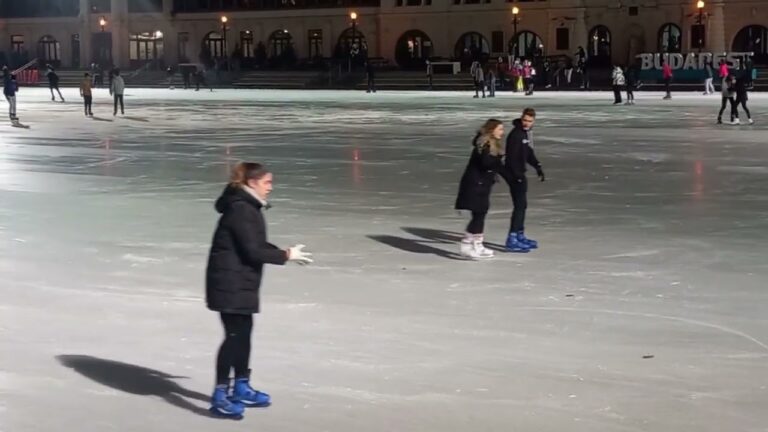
(691, 60)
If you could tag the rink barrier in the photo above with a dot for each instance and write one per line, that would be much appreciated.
(28, 77)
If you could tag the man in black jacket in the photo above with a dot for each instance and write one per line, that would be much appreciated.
(519, 152)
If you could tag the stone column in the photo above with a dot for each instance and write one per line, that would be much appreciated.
(580, 31)
(119, 29)
(84, 29)
(716, 30)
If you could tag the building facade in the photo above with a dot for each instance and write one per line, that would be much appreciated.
(130, 33)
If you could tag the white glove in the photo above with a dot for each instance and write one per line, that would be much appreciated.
(297, 255)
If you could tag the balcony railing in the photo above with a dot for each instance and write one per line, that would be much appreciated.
(183, 6)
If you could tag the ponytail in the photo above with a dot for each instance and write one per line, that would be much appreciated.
(244, 171)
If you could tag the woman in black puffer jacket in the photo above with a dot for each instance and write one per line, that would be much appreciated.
(233, 278)
(485, 161)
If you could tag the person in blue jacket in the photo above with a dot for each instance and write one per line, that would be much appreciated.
(10, 88)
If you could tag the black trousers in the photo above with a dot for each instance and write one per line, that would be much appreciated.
(477, 223)
(235, 351)
(479, 86)
(616, 94)
(518, 188)
(371, 83)
(667, 82)
(630, 93)
(88, 103)
(119, 98)
(734, 113)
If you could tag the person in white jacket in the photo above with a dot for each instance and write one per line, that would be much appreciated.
(618, 83)
(117, 89)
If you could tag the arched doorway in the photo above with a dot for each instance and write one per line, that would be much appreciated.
(471, 47)
(753, 39)
(352, 43)
(526, 45)
(670, 39)
(599, 51)
(413, 49)
(49, 50)
(146, 48)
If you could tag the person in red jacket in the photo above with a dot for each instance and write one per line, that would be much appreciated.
(666, 72)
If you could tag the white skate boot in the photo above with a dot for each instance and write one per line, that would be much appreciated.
(482, 251)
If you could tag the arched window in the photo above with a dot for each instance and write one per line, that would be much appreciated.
(413, 49)
(49, 49)
(352, 40)
(472, 46)
(526, 44)
(754, 39)
(670, 39)
(279, 41)
(214, 42)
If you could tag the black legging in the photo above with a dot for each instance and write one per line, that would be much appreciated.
(734, 113)
(667, 82)
(743, 103)
(479, 86)
(235, 351)
(477, 224)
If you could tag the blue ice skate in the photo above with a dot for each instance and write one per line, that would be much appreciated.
(515, 245)
(222, 406)
(532, 244)
(246, 395)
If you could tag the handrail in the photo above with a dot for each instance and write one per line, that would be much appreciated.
(25, 67)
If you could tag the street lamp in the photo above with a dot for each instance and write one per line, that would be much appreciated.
(102, 23)
(700, 7)
(224, 21)
(353, 17)
(515, 20)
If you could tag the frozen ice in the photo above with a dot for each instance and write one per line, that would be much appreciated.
(644, 309)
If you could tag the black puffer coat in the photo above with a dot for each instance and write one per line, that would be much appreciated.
(478, 178)
(238, 254)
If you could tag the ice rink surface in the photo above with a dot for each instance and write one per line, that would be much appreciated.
(644, 309)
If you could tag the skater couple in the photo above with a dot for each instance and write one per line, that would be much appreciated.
(734, 91)
(621, 81)
(233, 278)
(489, 158)
(10, 87)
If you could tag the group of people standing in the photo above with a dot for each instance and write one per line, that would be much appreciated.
(521, 73)
(488, 160)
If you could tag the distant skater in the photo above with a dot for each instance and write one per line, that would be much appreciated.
(87, 94)
(53, 83)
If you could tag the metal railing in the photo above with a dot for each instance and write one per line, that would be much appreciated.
(26, 66)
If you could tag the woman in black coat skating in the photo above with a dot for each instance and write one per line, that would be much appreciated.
(479, 176)
(233, 279)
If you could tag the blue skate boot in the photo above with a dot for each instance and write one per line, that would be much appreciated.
(247, 396)
(515, 245)
(532, 244)
(222, 406)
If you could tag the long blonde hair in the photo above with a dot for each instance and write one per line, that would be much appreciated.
(485, 138)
